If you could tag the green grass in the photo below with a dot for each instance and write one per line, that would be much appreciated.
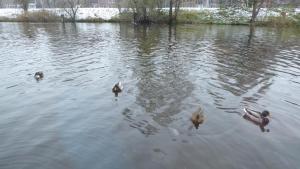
(6, 19)
(122, 17)
(154, 16)
(191, 17)
(90, 20)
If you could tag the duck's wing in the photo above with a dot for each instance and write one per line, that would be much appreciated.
(252, 112)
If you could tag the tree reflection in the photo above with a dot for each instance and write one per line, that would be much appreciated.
(71, 49)
(163, 83)
(28, 30)
(244, 64)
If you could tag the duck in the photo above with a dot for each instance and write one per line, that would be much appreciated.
(258, 118)
(39, 75)
(118, 87)
(197, 118)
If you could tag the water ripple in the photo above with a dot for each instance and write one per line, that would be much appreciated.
(71, 119)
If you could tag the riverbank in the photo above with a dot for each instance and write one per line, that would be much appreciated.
(229, 16)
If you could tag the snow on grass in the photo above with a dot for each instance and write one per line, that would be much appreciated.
(226, 15)
(104, 13)
(83, 13)
(10, 12)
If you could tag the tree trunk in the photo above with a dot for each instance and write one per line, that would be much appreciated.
(24, 4)
(253, 17)
(144, 14)
(246, 3)
(135, 12)
(256, 6)
(207, 4)
(171, 12)
(177, 6)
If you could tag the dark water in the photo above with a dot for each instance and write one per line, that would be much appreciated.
(71, 120)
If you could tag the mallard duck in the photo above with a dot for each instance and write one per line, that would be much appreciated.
(39, 75)
(118, 87)
(259, 118)
(197, 118)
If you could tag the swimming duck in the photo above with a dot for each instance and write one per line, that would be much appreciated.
(39, 75)
(197, 118)
(118, 87)
(259, 118)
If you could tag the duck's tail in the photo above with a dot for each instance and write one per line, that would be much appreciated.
(120, 85)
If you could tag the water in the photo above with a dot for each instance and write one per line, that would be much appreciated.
(71, 119)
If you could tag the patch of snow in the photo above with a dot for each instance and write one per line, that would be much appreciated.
(83, 13)
(104, 13)
(10, 12)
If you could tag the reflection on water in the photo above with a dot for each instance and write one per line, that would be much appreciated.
(71, 119)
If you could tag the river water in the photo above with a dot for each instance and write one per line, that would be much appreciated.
(72, 120)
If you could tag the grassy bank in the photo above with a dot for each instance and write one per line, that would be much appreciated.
(281, 21)
(273, 17)
(89, 20)
(44, 16)
(270, 17)
(36, 16)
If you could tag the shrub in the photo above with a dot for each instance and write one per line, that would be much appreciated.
(122, 17)
(159, 16)
(189, 17)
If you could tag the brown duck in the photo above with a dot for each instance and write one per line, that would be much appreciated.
(197, 118)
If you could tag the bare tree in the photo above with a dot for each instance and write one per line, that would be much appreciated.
(177, 6)
(141, 10)
(71, 8)
(171, 12)
(24, 4)
(256, 6)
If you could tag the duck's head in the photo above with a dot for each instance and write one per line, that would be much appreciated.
(265, 113)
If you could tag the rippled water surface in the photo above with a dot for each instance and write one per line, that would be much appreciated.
(72, 120)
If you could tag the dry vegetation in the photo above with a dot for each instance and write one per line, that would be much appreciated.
(38, 16)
